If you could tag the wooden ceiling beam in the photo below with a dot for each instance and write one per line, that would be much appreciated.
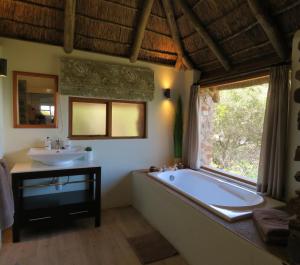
(187, 62)
(69, 27)
(255, 47)
(204, 34)
(266, 21)
(249, 27)
(179, 63)
(192, 7)
(142, 23)
(182, 57)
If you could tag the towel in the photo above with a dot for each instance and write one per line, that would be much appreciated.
(273, 225)
(6, 197)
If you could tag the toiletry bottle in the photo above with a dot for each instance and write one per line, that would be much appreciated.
(47, 143)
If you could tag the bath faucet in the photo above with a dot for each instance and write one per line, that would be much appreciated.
(164, 168)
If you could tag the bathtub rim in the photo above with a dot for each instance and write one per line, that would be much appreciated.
(226, 214)
(228, 178)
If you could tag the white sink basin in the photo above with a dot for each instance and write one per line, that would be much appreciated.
(55, 157)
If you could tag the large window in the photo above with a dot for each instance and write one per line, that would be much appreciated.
(96, 119)
(232, 117)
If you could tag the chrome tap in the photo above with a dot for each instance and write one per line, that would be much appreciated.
(164, 168)
(58, 144)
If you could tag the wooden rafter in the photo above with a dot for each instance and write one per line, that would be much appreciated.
(269, 27)
(179, 62)
(182, 58)
(255, 47)
(69, 29)
(141, 30)
(244, 30)
(204, 34)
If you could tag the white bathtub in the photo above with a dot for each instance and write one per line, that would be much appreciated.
(227, 200)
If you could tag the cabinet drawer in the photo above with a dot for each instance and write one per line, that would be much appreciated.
(30, 217)
(77, 211)
(59, 214)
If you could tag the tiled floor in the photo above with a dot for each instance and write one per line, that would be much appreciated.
(82, 244)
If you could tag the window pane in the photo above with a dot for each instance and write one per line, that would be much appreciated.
(44, 107)
(45, 112)
(128, 119)
(232, 126)
(89, 118)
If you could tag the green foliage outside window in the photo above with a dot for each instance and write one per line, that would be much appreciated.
(237, 130)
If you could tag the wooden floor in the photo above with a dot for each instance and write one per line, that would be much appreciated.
(82, 244)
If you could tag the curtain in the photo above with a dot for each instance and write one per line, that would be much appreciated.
(192, 151)
(272, 171)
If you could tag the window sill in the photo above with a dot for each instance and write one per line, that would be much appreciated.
(230, 177)
(105, 137)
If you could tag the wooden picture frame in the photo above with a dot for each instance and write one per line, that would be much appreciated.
(16, 122)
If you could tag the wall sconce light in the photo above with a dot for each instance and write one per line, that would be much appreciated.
(3, 67)
(297, 154)
(167, 93)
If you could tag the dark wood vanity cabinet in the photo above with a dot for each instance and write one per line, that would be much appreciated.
(56, 208)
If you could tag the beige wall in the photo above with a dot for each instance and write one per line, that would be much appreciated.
(1, 122)
(117, 157)
(294, 133)
(1, 112)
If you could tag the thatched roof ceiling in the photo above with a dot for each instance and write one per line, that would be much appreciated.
(109, 27)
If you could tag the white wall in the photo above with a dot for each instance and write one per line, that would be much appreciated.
(294, 133)
(117, 157)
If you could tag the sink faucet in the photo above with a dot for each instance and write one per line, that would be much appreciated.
(57, 144)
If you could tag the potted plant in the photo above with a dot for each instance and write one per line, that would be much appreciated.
(89, 152)
(178, 132)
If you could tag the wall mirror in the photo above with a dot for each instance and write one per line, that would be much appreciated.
(35, 100)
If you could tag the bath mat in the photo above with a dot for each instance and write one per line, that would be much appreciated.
(151, 247)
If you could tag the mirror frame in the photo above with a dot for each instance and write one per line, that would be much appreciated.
(15, 101)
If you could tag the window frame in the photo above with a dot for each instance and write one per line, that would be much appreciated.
(220, 172)
(108, 134)
(229, 175)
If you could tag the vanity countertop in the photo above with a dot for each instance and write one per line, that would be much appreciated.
(36, 166)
